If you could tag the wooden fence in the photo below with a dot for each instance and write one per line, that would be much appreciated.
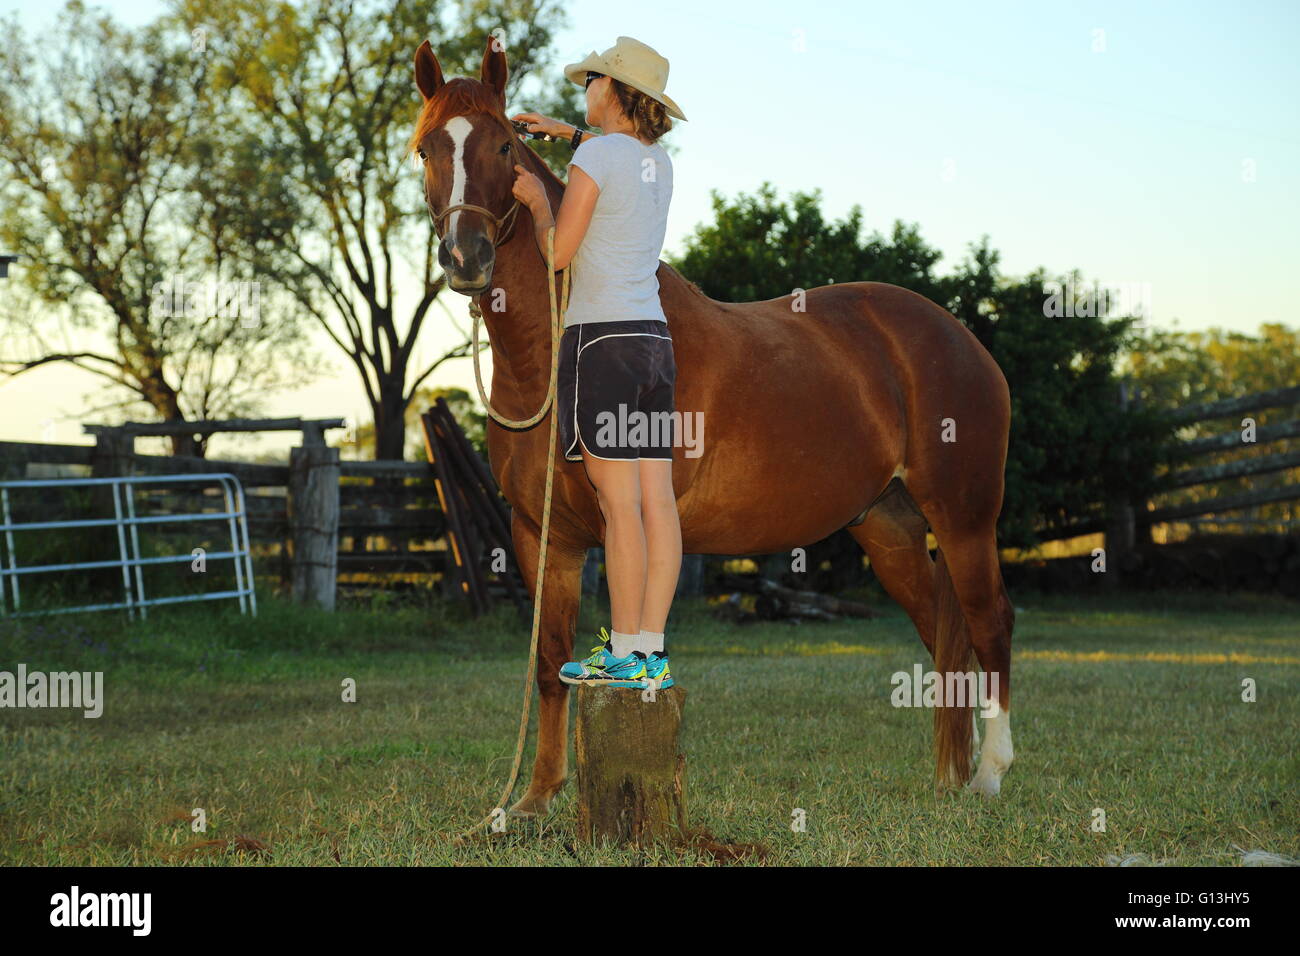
(392, 530)
(1126, 523)
(315, 521)
(320, 522)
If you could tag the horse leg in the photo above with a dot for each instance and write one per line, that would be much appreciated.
(561, 595)
(971, 559)
(893, 536)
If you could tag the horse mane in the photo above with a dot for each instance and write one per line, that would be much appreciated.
(459, 96)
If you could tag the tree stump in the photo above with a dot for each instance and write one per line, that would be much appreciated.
(631, 768)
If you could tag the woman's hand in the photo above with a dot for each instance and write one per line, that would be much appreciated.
(537, 123)
(528, 190)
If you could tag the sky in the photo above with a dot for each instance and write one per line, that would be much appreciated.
(1150, 143)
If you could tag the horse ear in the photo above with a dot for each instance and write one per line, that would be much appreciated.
(495, 72)
(428, 74)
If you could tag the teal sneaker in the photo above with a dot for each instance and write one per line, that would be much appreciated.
(603, 669)
(656, 669)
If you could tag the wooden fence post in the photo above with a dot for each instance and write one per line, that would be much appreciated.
(631, 769)
(690, 582)
(110, 458)
(1142, 535)
(1120, 534)
(313, 509)
(591, 570)
(775, 566)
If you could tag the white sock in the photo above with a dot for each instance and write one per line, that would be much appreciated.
(648, 642)
(622, 644)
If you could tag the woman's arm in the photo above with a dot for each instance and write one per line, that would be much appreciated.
(556, 129)
(573, 218)
(567, 130)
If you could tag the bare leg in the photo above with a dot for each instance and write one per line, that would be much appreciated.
(618, 490)
(663, 536)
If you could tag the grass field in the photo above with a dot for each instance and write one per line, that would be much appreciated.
(1128, 703)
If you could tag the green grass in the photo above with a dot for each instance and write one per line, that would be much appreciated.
(243, 718)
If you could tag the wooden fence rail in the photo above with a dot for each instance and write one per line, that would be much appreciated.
(330, 521)
(315, 521)
(1124, 521)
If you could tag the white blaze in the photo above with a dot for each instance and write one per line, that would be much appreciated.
(458, 128)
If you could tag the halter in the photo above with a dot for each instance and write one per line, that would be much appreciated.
(497, 221)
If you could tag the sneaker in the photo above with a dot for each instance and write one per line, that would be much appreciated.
(656, 669)
(603, 669)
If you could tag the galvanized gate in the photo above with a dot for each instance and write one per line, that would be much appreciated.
(129, 558)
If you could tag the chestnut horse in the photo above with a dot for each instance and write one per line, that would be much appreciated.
(858, 405)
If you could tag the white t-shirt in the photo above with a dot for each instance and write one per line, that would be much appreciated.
(613, 276)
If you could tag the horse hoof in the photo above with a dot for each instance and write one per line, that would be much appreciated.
(530, 806)
(989, 786)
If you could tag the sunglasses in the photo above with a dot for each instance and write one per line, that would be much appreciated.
(591, 76)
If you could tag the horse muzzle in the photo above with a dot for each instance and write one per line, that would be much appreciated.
(468, 264)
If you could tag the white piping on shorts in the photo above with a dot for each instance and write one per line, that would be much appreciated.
(577, 435)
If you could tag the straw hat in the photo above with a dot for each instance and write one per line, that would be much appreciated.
(632, 62)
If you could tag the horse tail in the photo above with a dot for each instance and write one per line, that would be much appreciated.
(952, 653)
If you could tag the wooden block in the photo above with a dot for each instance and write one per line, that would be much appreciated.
(631, 768)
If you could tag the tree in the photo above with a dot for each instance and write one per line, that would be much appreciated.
(1072, 448)
(102, 201)
(757, 245)
(326, 103)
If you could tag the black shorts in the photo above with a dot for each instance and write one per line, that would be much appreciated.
(615, 389)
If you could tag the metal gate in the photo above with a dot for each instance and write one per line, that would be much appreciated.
(128, 539)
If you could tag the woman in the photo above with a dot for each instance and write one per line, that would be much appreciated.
(616, 355)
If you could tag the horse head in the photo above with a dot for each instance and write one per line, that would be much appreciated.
(469, 150)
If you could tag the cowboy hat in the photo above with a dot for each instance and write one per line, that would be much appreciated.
(632, 62)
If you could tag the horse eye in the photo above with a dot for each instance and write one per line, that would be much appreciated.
(505, 149)
(422, 156)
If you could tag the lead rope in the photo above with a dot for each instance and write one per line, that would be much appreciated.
(557, 314)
